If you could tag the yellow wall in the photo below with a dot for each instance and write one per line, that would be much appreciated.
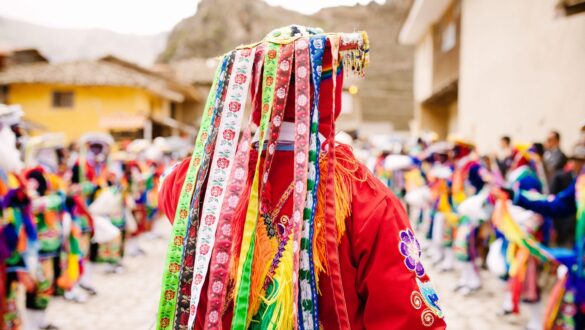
(90, 103)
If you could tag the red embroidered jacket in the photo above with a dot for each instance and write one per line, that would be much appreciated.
(384, 283)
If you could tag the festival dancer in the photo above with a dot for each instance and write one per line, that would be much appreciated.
(295, 231)
(520, 273)
(17, 230)
(566, 305)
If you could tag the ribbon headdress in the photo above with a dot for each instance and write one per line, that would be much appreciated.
(295, 75)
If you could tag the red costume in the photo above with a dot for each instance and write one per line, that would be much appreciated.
(372, 278)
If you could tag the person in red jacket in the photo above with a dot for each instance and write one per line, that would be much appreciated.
(272, 238)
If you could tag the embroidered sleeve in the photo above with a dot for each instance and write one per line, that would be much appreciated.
(391, 278)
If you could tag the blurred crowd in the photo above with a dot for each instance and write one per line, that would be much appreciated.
(518, 212)
(67, 210)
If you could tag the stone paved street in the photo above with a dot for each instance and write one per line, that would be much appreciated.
(128, 301)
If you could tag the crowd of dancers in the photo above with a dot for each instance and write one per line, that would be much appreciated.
(66, 208)
(519, 213)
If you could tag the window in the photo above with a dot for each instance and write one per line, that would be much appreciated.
(174, 110)
(62, 99)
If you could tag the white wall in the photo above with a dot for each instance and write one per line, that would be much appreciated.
(522, 71)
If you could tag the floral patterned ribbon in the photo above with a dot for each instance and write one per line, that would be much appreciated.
(218, 275)
(186, 275)
(237, 93)
(167, 305)
(243, 275)
(302, 112)
(308, 307)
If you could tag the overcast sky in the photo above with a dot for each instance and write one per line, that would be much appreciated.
(129, 16)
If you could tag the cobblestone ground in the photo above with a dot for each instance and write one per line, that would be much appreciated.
(128, 301)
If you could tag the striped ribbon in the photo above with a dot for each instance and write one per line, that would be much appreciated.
(247, 248)
(285, 66)
(167, 305)
(331, 236)
(186, 276)
(302, 130)
(225, 148)
(308, 298)
(219, 277)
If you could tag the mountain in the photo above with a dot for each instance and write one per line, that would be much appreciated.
(61, 45)
(386, 93)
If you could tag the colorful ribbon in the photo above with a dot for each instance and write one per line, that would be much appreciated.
(237, 93)
(167, 305)
(219, 277)
(247, 248)
(186, 274)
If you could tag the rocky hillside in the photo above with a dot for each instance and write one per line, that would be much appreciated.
(386, 93)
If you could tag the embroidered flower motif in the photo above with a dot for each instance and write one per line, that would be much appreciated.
(183, 214)
(189, 187)
(197, 160)
(277, 121)
(302, 72)
(169, 295)
(240, 78)
(271, 54)
(210, 219)
(297, 216)
(234, 106)
(179, 240)
(319, 69)
(301, 157)
(216, 191)
(198, 279)
(410, 249)
(233, 201)
(284, 65)
(245, 52)
(280, 93)
(299, 186)
(164, 322)
(213, 316)
(318, 43)
(271, 148)
(174, 267)
(217, 286)
(302, 100)
(204, 249)
(222, 258)
(239, 174)
(223, 163)
(269, 81)
(226, 229)
(301, 128)
(265, 107)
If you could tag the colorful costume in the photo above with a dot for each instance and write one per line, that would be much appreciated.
(288, 230)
